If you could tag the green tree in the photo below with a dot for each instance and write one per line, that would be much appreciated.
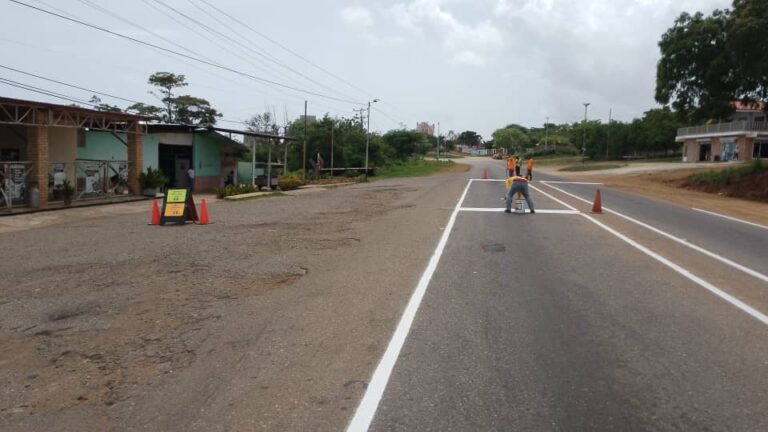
(193, 110)
(512, 137)
(166, 83)
(469, 138)
(746, 41)
(406, 143)
(695, 70)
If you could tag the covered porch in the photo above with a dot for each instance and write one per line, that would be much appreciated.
(39, 154)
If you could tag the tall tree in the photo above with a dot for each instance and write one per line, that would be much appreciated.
(695, 72)
(469, 138)
(749, 47)
(166, 83)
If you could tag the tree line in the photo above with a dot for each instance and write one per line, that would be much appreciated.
(652, 134)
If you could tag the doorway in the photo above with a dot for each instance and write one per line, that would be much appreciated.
(174, 161)
(705, 151)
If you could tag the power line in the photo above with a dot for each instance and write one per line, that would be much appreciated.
(141, 42)
(262, 35)
(259, 50)
(44, 91)
(68, 85)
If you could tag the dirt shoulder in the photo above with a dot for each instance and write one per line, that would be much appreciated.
(271, 318)
(662, 181)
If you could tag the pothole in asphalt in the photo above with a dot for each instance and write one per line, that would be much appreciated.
(495, 247)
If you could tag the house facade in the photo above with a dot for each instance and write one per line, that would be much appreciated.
(101, 154)
(743, 138)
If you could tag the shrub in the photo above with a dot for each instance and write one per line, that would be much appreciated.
(230, 190)
(152, 179)
(289, 182)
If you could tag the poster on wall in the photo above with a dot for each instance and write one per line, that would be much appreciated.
(15, 184)
(59, 175)
(92, 178)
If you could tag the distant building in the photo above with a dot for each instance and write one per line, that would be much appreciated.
(425, 128)
(744, 136)
(310, 118)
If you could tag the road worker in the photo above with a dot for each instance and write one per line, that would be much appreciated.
(529, 169)
(517, 185)
(518, 165)
(510, 166)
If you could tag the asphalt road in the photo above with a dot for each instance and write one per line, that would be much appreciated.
(551, 322)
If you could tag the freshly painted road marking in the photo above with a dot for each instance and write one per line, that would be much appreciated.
(501, 209)
(731, 218)
(370, 402)
(754, 313)
(726, 261)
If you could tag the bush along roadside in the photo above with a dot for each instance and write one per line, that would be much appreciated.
(223, 192)
(289, 182)
(747, 181)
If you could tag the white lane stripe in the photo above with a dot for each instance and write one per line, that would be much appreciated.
(684, 242)
(567, 182)
(501, 209)
(754, 313)
(370, 402)
(488, 180)
(553, 198)
(731, 218)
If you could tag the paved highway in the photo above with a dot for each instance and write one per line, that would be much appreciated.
(563, 321)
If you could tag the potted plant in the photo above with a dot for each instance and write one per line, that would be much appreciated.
(68, 191)
(152, 180)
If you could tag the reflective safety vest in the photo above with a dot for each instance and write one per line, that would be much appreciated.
(511, 163)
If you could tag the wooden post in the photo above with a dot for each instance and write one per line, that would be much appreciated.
(135, 158)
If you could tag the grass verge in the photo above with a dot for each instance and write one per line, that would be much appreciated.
(746, 181)
(417, 168)
(591, 167)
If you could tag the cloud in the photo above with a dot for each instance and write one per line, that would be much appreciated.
(357, 16)
(472, 44)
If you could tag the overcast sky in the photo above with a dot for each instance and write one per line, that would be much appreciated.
(468, 64)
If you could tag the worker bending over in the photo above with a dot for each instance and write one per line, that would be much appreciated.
(514, 185)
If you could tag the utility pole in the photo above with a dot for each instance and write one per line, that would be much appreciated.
(584, 142)
(438, 141)
(269, 164)
(368, 137)
(546, 134)
(608, 144)
(332, 127)
(360, 112)
(304, 164)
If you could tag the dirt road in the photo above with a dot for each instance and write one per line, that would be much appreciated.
(272, 318)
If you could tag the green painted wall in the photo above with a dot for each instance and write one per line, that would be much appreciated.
(206, 153)
(105, 146)
(151, 151)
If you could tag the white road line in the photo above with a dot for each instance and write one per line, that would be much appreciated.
(370, 402)
(567, 182)
(731, 218)
(684, 242)
(553, 198)
(487, 180)
(501, 210)
(754, 313)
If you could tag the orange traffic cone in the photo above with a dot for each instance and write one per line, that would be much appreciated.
(155, 213)
(204, 220)
(597, 207)
(485, 174)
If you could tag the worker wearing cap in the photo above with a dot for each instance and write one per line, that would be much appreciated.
(510, 166)
(516, 185)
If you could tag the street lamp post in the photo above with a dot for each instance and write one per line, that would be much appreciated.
(546, 135)
(368, 137)
(584, 142)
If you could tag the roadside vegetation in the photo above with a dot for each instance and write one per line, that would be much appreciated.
(416, 168)
(747, 181)
(591, 167)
